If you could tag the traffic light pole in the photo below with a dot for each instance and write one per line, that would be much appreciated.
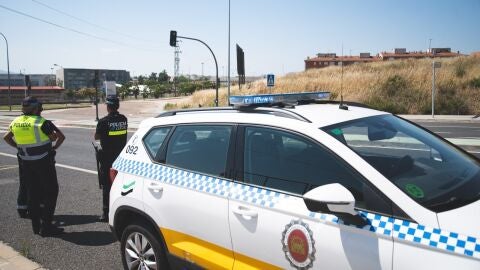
(8, 72)
(96, 93)
(216, 66)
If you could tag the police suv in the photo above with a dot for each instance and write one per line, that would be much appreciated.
(293, 181)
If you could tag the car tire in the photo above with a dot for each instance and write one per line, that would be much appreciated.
(141, 247)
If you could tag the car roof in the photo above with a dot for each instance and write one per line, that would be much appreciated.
(328, 114)
(319, 115)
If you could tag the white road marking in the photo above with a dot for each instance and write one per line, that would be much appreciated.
(449, 127)
(58, 165)
(8, 167)
(442, 132)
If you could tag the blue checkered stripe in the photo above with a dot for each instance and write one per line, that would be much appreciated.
(200, 182)
(386, 226)
(415, 233)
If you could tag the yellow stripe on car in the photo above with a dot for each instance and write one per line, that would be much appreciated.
(208, 255)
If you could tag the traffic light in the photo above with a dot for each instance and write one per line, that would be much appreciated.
(173, 38)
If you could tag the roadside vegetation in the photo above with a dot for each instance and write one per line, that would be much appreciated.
(402, 86)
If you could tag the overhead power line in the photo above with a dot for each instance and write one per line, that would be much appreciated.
(87, 22)
(69, 28)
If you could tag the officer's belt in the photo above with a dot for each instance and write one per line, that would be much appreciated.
(34, 151)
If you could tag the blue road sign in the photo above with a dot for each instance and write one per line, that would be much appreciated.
(270, 80)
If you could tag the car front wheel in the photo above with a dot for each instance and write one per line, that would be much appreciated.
(141, 249)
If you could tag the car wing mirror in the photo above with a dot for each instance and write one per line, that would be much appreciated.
(334, 199)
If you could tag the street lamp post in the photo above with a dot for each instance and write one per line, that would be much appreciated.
(8, 76)
(228, 68)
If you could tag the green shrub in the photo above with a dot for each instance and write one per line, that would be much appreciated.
(394, 85)
(170, 106)
(475, 82)
(385, 104)
(447, 100)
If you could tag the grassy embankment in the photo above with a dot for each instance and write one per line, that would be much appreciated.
(402, 86)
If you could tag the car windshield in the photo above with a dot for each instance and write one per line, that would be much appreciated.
(429, 170)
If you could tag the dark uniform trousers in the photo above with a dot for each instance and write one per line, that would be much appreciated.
(105, 165)
(22, 199)
(42, 188)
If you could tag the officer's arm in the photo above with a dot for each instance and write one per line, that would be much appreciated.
(99, 130)
(9, 139)
(53, 137)
(60, 138)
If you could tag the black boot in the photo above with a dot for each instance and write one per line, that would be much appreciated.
(50, 230)
(22, 213)
(36, 226)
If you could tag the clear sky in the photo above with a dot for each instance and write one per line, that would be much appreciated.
(276, 35)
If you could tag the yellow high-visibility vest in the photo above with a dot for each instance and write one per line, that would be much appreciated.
(31, 141)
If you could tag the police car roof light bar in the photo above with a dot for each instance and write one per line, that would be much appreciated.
(277, 99)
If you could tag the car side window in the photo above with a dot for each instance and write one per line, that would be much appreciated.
(200, 148)
(154, 140)
(292, 163)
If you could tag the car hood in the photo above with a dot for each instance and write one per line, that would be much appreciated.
(464, 220)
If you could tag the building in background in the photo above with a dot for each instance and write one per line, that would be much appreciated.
(35, 79)
(401, 53)
(331, 59)
(76, 78)
(46, 94)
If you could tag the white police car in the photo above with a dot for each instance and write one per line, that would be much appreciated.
(293, 182)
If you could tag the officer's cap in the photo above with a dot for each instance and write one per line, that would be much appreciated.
(29, 104)
(31, 101)
(112, 100)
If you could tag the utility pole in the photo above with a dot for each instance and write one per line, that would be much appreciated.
(202, 68)
(176, 68)
(8, 76)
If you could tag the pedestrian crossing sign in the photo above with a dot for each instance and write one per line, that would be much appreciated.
(270, 80)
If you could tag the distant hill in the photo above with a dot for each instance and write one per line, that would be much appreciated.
(401, 86)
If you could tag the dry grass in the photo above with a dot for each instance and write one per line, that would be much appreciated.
(397, 86)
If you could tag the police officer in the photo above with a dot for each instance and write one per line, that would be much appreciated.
(33, 139)
(112, 133)
(22, 198)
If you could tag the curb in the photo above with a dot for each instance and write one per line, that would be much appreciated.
(11, 259)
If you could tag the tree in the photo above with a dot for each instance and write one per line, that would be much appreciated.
(186, 88)
(87, 93)
(153, 76)
(158, 90)
(141, 79)
(181, 79)
(124, 90)
(163, 76)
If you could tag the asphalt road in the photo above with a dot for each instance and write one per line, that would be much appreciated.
(87, 243)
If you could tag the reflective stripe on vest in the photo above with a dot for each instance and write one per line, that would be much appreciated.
(117, 132)
(32, 142)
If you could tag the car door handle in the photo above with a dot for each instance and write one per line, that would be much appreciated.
(155, 187)
(245, 212)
